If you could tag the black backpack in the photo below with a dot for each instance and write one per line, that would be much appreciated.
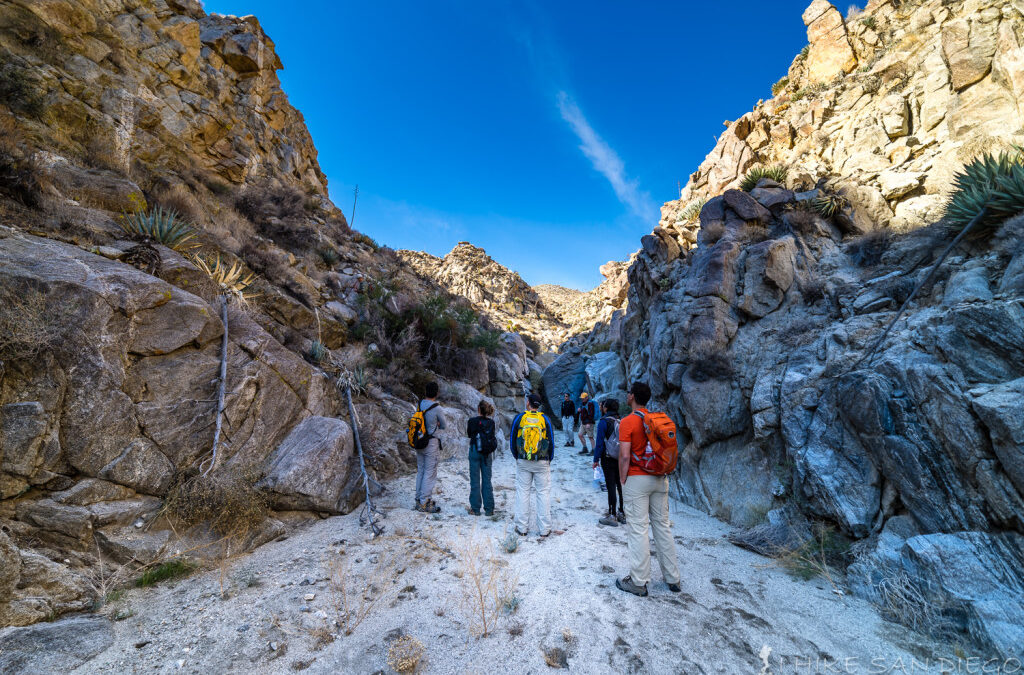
(485, 442)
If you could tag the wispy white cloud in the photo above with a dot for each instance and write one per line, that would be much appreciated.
(606, 161)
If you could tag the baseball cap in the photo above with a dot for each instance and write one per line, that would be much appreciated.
(584, 395)
(534, 399)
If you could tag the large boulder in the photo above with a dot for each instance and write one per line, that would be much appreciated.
(830, 53)
(607, 375)
(309, 470)
(565, 375)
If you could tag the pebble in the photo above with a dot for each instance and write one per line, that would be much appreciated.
(310, 596)
(244, 627)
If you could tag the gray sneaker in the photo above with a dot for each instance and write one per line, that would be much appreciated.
(621, 517)
(608, 520)
(626, 584)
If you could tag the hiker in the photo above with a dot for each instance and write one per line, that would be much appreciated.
(587, 415)
(606, 455)
(532, 444)
(482, 444)
(427, 457)
(568, 420)
(647, 454)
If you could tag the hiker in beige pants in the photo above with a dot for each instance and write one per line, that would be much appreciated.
(646, 500)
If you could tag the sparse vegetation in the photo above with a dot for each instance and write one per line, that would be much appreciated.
(809, 90)
(903, 600)
(692, 210)
(28, 326)
(488, 583)
(867, 250)
(159, 226)
(317, 352)
(172, 569)
(869, 22)
(780, 86)
(817, 555)
(993, 183)
(776, 172)
(354, 595)
(405, 654)
(226, 499)
(21, 178)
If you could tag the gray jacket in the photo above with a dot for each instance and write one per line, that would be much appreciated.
(433, 419)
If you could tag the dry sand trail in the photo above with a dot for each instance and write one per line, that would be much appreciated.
(736, 608)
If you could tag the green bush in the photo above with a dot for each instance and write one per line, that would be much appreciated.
(487, 340)
(869, 22)
(775, 172)
(317, 352)
(158, 225)
(780, 86)
(994, 182)
(809, 90)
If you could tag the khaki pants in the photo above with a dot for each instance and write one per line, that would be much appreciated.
(646, 500)
(535, 474)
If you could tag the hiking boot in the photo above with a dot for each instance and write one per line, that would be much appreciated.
(428, 507)
(584, 451)
(542, 536)
(604, 488)
(610, 521)
(626, 584)
(471, 512)
(621, 517)
(674, 588)
(521, 534)
(489, 513)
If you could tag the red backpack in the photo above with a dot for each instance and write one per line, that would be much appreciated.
(661, 454)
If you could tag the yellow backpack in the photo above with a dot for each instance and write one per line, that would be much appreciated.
(532, 439)
(417, 432)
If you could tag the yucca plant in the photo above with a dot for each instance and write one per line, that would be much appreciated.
(692, 210)
(993, 182)
(317, 351)
(232, 280)
(988, 191)
(159, 225)
(829, 204)
(776, 172)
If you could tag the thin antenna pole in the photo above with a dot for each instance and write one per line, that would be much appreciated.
(355, 198)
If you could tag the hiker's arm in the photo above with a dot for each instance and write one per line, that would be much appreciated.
(599, 441)
(440, 419)
(512, 437)
(551, 436)
(625, 449)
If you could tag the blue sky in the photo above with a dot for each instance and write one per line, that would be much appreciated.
(549, 133)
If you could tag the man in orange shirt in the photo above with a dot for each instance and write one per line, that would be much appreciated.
(646, 498)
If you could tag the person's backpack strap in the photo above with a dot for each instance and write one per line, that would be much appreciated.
(431, 407)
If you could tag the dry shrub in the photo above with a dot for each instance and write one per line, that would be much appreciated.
(405, 654)
(178, 198)
(867, 250)
(28, 326)
(354, 595)
(818, 556)
(227, 499)
(754, 234)
(903, 600)
(99, 148)
(709, 362)
(21, 178)
(799, 332)
(262, 201)
(802, 220)
(711, 234)
(487, 582)
(813, 290)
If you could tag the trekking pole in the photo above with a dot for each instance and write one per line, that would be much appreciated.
(366, 515)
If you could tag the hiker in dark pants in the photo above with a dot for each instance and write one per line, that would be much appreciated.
(606, 454)
(568, 420)
(587, 413)
(482, 444)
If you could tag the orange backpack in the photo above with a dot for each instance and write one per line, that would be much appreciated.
(661, 454)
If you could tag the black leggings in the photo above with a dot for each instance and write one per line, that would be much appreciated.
(610, 466)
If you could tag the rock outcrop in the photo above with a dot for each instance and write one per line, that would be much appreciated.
(884, 105)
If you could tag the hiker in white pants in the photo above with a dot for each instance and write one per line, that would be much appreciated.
(532, 443)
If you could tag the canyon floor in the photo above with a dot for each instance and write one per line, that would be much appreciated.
(284, 607)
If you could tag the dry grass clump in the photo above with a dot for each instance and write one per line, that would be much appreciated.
(405, 654)
(28, 326)
(904, 601)
(816, 556)
(262, 201)
(711, 234)
(178, 198)
(227, 499)
(353, 594)
(19, 91)
(487, 583)
(867, 250)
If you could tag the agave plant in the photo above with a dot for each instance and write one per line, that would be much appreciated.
(692, 210)
(829, 204)
(317, 351)
(163, 226)
(775, 172)
(994, 183)
(232, 280)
